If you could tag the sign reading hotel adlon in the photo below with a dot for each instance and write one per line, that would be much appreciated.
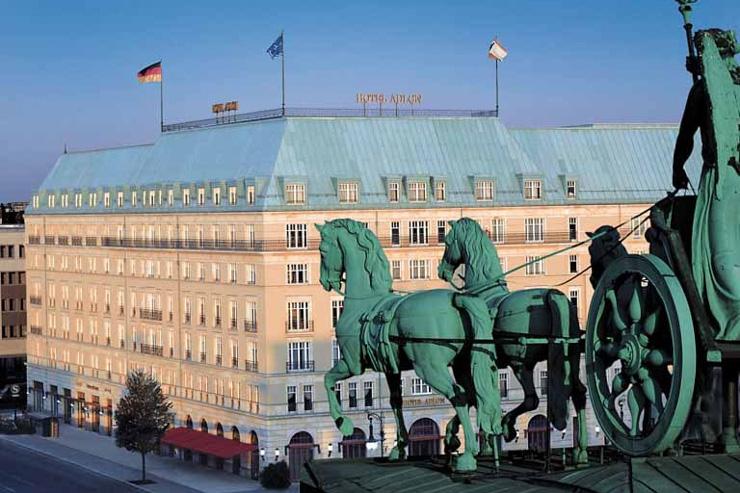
(380, 98)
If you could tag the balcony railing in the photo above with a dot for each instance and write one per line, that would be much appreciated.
(217, 322)
(34, 300)
(250, 365)
(63, 240)
(188, 354)
(234, 362)
(232, 324)
(299, 326)
(219, 360)
(77, 241)
(151, 349)
(91, 240)
(48, 240)
(34, 240)
(202, 357)
(296, 366)
(188, 317)
(202, 320)
(150, 314)
(250, 326)
(36, 330)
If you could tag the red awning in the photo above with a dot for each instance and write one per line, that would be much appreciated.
(205, 443)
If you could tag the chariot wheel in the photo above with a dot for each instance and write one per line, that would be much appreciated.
(640, 355)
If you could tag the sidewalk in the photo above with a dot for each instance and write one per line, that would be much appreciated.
(100, 454)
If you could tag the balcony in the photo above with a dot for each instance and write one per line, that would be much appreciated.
(120, 309)
(34, 300)
(250, 365)
(202, 357)
(188, 317)
(202, 320)
(77, 241)
(63, 240)
(36, 330)
(107, 341)
(151, 349)
(299, 366)
(150, 314)
(235, 362)
(48, 240)
(188, 355)
(122, 343)
(250, 326)
(91, 241)
(298, 325)
(217, 322)
(232, 324)
(219, 360)
(34, 240)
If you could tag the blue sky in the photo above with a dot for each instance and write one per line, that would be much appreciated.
(68, 68)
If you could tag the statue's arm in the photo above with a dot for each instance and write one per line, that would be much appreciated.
(685, 141)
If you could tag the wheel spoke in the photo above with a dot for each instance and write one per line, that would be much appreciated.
(658, 357)
(653, 393)
(635, 401)
(636, 303)
(651, 321)
(611, 298)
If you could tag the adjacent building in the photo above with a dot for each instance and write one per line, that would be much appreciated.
(195, 258)
(12, 306)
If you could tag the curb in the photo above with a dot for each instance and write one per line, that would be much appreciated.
(83, 466)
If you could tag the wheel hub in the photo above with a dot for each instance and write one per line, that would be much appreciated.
(630, 354)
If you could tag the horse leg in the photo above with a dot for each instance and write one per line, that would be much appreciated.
(340, 371)
(439, 378)
(452, 443)
(530, 402)
(394, 385)
(460, 369)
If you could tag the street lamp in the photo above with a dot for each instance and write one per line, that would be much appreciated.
(277, 454)
(262, 454)
(330, 449)
(371, 443)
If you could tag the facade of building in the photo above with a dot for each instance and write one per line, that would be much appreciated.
(12, 307)
(196, 258)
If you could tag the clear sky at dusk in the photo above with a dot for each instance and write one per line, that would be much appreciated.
(68, 68)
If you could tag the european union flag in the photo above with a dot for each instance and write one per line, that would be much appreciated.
(276, 48)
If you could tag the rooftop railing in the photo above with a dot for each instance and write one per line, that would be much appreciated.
(389, 111)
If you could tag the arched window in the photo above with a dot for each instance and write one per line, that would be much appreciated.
(235, 434)
(354, 446)
(300, 451)
(189, 422)
(537, 433)
(204, 425)
(424, 438)
(219, 430)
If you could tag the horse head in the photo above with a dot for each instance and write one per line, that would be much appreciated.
(467, 244)
(351, 251)
(452, 256)
(604, 249)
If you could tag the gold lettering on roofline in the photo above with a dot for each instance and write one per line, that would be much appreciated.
(380, 98)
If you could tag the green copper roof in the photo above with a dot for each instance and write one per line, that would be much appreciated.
(625, 163)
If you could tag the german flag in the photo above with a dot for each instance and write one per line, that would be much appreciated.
(152, 73)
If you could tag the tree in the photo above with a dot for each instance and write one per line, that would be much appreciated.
(142, 416)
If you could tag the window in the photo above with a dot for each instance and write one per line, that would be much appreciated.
(534, 228)
(78, 200)
(532, 189)
(186, 197)
(352, 394)
(348, 193)
(418, 269)
(484, 190)
(440, 191)
(201, 196)
(338, 392)
(575, 295)
(543, 382)
(418, 387)
(536, 267)
(291, 391)
(368, 388)
(418, 232)
(498, 230)
(638, 227)
(36, 201)
(295, 193)
(170, 197)
(570, 189)
(152, 198)
(395, 233)
(119, 199)
(336, 311)
(250, 194)
(106, 200)
(216, 192)
(299, 313)
(394, 191)
(300, 356)
(233, 273)
(251, 274)
(133, 199)
(297, 273)
(296, 235)
(51, 201)
(441, 231)
(396, 270)
(572, 229)
(232, 195)
(573, 264)
(417, 191)
(503, 383)
(308, 397)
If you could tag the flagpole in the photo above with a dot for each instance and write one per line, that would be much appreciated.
(161, 100)
(497, 88)
(282, 63)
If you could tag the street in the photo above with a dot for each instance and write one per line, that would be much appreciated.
(28, 471)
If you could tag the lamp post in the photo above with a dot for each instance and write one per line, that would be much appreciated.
(371, 443)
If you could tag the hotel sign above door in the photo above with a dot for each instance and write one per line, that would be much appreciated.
(380, 98)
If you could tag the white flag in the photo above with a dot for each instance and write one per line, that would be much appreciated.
(496, 51)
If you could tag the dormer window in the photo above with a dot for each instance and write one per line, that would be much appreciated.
(394, 191)
(295, 193)
(106, 200)
(417, 191)
(170, 197)
(532, 189)
(133, 198)
(348, 192)
(92, 199)
(440, 191)
(65, 200)
(232, 195)
(52, 201)
(250, 194)
(570, 189)
(78, 200)
(152, 196)
(484, 190)
(186, 197)
(119, 199)
(36, 201)
(201, 196)
(217, 196)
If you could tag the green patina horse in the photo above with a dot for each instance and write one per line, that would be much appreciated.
(529, 326)
(383, 331)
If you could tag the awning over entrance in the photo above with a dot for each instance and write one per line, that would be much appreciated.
(205, 443)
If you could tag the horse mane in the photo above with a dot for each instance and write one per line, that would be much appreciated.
(603, 251)
(376, 263)
(478, 247)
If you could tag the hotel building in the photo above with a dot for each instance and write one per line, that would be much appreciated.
(195, 258)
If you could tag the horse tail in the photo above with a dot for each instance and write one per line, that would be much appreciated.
(483, 363)
(559, 360)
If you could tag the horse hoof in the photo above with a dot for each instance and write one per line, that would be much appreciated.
(396, 454)
(345, 425)
(581, 457)
(465, 463)
(509, 431)
(452, 444)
